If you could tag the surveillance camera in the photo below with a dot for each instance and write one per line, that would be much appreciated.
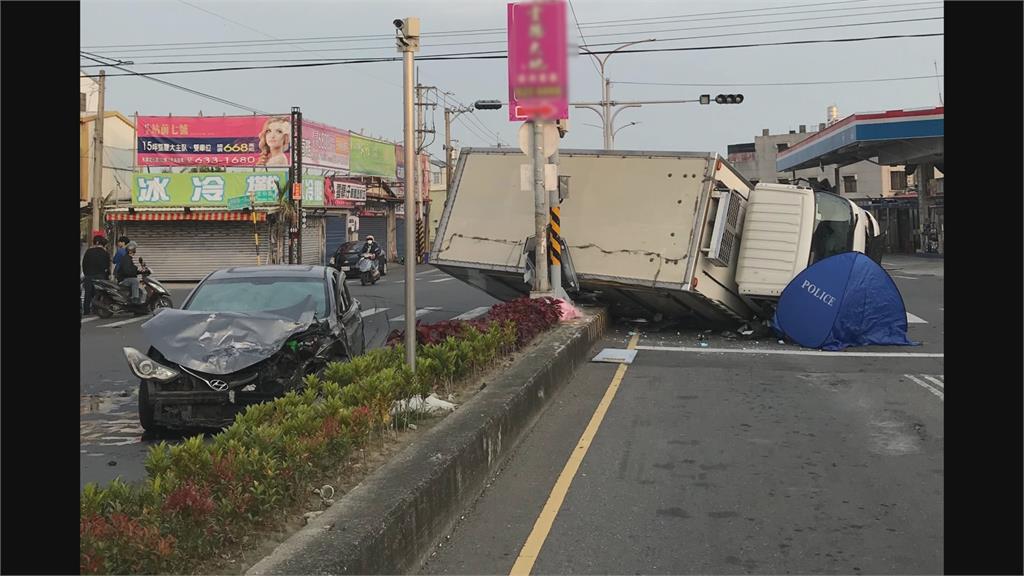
(398, 23)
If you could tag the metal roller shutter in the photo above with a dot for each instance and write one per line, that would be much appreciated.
(376, 226)
(336, 233)
(400, 235)
(188, 251)
(313, 241)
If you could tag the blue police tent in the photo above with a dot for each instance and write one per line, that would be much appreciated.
(841, 301)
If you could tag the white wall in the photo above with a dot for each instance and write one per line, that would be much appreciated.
(92, 93)
(118, 149)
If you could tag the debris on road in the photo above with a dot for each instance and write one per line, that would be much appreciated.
(615, 356)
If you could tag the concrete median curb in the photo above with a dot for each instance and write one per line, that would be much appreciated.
(389, 523)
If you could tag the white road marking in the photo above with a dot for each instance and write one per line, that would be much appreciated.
(794, 352)
(929, 387)
(442, 280)
(474, 313)
(124, 322)
(904, 277)
(915, 319)
(419, 312)
(935, 380)
(89, 319)
(371, 312)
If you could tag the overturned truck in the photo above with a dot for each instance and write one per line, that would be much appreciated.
(669, 234)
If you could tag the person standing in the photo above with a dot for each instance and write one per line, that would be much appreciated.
(95, 266)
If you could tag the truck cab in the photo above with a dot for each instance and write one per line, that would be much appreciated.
(788, 228)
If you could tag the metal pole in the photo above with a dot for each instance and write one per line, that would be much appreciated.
(540, 209)
(606, 104)
(97, 157)
(447, 151)
(410, 217)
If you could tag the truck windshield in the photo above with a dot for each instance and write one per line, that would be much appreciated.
(833, 230)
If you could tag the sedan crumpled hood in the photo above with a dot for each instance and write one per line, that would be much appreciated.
(220, 342)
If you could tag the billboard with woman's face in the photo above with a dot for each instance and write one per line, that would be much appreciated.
(226, 141)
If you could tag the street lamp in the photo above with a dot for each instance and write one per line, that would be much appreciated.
(606, 103)
(620, 128)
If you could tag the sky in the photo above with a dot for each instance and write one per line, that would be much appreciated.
(368, 97)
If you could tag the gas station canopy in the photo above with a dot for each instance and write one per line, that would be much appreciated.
(894, 137)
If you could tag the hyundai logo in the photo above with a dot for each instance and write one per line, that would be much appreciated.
(218, 385)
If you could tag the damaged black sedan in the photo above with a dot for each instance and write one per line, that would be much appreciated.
(243, 336)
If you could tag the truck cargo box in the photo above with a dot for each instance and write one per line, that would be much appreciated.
(648, 232)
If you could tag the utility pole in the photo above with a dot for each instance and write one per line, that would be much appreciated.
(97, 158)
(449, 156)
(421, 131)
(540, 214)
(407, 38)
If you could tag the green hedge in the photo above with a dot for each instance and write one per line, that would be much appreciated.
(200, 497)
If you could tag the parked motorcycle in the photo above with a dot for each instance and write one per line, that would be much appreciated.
(369, 273)
(111, 298)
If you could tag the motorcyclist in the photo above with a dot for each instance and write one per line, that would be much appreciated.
(372, 247)
(128, 272)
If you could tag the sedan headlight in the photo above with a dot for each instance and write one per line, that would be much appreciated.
(147, 369)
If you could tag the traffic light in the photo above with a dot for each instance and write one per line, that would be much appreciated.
(487, 104)
(729, 99)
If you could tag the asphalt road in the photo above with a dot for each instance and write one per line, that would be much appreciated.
(721, 461)
(112, 441)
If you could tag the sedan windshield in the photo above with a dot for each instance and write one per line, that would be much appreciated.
(352, 247)
(288, 297)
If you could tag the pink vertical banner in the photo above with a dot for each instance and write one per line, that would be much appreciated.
(538, 60)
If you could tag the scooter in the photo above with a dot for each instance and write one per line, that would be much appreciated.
(369, 273)
(111, 298)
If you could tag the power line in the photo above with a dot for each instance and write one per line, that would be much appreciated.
(500, 54)
(801, 29)
(743, 84)
(733, 32)
(718, 15)
(676, 39)
(582, 37)
(265, 34)
(173, 85)
(479, 122)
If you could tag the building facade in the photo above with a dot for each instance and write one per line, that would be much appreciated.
(860, 181)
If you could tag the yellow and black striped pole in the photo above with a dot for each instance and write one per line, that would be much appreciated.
(421, 240)
(555, 236)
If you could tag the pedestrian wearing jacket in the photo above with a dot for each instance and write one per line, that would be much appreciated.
(95, 266)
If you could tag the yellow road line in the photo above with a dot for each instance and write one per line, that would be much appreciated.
(531, 550)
